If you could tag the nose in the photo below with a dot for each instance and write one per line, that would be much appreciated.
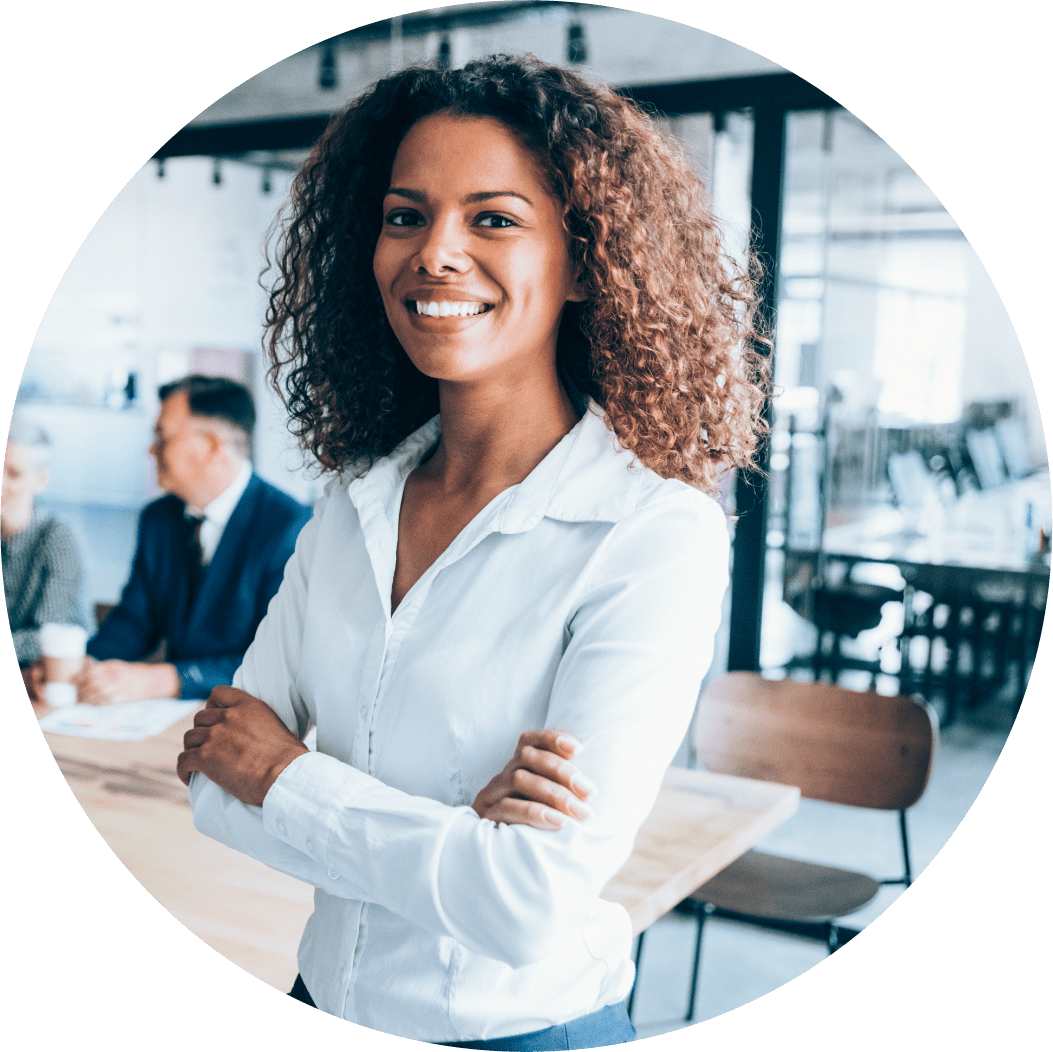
(443, 249)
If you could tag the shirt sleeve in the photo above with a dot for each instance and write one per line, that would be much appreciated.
(637, 647)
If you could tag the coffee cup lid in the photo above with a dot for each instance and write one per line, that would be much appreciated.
(62, 641)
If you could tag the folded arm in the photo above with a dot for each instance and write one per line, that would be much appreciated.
(638, 646)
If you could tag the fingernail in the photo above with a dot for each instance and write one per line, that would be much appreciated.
(579, 810)
(555, 820)
(582, 784)
(572, 745)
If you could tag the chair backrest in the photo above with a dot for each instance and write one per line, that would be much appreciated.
(838, 745)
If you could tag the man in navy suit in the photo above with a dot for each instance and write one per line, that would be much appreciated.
(209, 557)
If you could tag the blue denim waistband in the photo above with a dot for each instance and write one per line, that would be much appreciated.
(608, 1026)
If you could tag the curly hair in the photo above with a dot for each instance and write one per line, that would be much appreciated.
(669, 340)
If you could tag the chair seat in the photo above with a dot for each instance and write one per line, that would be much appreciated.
(851, 608)
(774, 887)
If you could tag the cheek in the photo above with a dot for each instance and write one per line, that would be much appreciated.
(385, 267)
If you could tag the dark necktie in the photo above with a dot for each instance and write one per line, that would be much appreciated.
(193, 557)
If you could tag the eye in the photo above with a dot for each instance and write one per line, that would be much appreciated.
(404, 217)
(493, 221)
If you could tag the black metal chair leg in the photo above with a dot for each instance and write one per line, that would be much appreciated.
(636, 979)
(907, 876)
(701, 912)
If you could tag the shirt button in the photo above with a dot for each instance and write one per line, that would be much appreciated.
(362, 712)
(334, 875)
(281, 828)
(309, 844)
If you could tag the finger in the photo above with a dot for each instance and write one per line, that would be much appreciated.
(225, 697)
(194, 737)
(553, 740)
(526, 813)
(89, 694)
(187, 762)
(550, 766)
(207, 717)
(532, 787)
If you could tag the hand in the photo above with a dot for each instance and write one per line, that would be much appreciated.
(33, 678)
(112, 682)
(538, 785)
(239, 743)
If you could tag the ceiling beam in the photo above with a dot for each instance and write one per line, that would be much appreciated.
(778, 91)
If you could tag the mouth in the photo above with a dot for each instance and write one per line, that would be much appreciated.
(448, 308)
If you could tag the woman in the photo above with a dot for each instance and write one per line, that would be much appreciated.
(532, 573)
(41, 559)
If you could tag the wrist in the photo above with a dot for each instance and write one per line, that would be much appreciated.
(166, 681)
(294, 752)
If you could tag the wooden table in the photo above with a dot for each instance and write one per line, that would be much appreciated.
(700, 823)
(254, 915)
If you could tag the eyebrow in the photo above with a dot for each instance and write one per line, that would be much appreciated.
(468, 199)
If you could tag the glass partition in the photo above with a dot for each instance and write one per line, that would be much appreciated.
(907, 432)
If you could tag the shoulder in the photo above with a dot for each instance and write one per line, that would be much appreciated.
(49, 537)
(58, 532)
(671, 522)
(276, 503)
(657, 495)
(162, 511)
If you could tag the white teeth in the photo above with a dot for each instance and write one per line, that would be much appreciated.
(446, 309)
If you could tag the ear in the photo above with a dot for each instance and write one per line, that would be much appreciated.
(214, 441)
(577, 293)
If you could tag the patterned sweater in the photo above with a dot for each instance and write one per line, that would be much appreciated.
(42, 581)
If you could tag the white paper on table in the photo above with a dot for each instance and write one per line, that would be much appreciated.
(129, 722)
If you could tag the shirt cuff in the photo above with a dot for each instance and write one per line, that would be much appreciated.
(304, 803)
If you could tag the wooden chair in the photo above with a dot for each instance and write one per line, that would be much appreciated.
(837, 745)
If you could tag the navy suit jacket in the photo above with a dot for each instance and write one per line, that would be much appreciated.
(207, 642)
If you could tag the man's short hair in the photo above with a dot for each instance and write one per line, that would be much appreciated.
(216, 397)
(26, 432)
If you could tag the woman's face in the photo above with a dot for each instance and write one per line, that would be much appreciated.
(472, 258)
(24, 477)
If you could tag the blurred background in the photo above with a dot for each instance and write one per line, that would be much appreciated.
(898, 538)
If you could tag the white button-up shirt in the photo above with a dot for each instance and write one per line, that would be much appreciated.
(216, 514)
(585, 598)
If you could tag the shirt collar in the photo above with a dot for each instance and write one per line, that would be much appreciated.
(587, 477)
(220, 509)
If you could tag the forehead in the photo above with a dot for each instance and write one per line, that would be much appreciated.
(466, 153)
(174, 412)
(21, 457)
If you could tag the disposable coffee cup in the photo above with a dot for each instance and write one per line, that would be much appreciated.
(63, 648)
(59, 695)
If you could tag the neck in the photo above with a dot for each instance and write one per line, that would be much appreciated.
(218, 479)
(15, 517)
(494, 435)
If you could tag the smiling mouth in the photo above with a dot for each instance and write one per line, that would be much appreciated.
(447, 309)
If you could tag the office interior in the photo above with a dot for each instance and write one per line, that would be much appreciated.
(903, 396)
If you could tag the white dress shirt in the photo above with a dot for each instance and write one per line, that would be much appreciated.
(585, 598)
(216, 514)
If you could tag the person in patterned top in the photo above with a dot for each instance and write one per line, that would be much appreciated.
(41, 559)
